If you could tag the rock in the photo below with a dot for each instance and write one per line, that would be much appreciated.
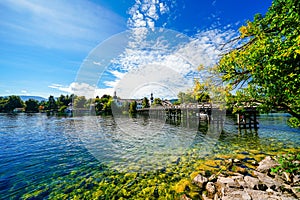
(200, 180)
(257, 194)
(229, 182)
(204, 197)
(286, 177)
(296, 179)
(266, 182)
(270, 191)
(184, 197)
(254, 163)
(211, 190)
(260, 195)
(261, 186)
(239, 169)
(213, 177)
(251, 182)
(296, 191)
(219, 189)
(266, 164)
(236, 195)
(229, 162)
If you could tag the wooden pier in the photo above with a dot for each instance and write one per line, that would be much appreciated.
(247, 118)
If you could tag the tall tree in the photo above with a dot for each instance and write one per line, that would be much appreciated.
(31, 105)
(145, 103)
(264, 65)
(132, 107)
(79, 102)
(51, 104)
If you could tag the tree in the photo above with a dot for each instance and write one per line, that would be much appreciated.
(64, 100)
(12, 103)
(132, 107)
(3, 102)
(103, 105)
(186, 97)
(51, 104)
(200, 92)
(79, 102)
(264, 65)
(31, 105)
(157, 101)
(145, 103)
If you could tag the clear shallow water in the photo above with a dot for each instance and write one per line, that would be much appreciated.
(40, 153)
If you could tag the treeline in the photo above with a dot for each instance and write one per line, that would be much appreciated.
(54, 105)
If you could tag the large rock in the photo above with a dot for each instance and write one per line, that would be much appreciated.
(200, 180)
(228, 182)
(266, 164)
(267, 181)
(234, 194)
(267, 195)
(251, 182)
(211, 189)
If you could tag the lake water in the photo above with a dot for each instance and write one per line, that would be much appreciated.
(51, 157)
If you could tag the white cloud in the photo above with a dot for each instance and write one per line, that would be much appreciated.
(174, 59)
(144, 13)
(24, 92)
(97, 63)
(117, 74)
(82, 89)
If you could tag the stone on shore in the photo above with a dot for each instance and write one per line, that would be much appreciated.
(266, 164)
(200, 181)
(252, 185)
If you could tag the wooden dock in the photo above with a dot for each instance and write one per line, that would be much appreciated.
(247, 118)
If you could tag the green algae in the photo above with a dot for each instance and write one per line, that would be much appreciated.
(169, 182)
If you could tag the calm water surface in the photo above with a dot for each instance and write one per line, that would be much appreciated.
(37, 152)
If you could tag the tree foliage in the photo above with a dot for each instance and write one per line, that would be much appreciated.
(103, 104)
(132, 107)
(79, 102)
(10, 103)
(264, 66)
(31, 106)
(51, 104)
(157, 102)
(145, 103)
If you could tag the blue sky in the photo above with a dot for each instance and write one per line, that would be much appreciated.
(43, 43)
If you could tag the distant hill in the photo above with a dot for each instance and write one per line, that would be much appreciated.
(25, 98)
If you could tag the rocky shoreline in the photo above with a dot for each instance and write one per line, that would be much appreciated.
(247, 184)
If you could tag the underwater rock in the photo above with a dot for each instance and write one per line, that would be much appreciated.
(155, 193)
(266, 164)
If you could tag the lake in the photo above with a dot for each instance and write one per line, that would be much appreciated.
(104, 158)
